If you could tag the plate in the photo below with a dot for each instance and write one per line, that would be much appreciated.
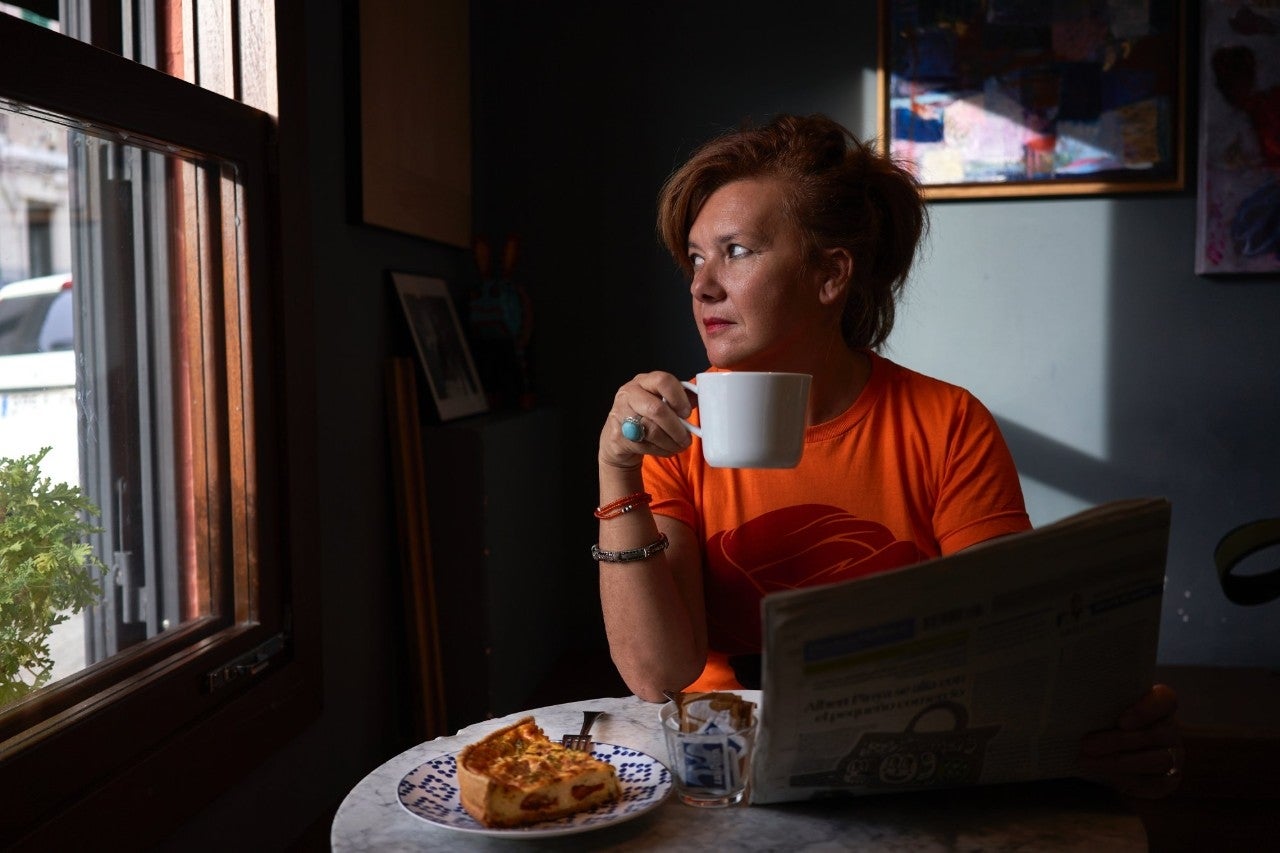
(430, 791)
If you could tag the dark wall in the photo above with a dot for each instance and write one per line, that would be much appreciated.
(580, 115)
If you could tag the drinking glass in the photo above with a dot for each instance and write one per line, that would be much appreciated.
(710, 768)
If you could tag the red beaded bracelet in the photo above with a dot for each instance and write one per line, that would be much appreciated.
(613, 509)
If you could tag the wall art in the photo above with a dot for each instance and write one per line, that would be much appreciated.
(441, 344)
(1238, 181)
(990, 98)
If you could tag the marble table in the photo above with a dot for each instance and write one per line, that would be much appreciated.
(1061, 815)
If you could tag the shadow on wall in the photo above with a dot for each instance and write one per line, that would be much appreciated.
(1245, 560)
(1192, 410)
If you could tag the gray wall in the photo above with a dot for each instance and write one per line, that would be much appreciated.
(1116, 372)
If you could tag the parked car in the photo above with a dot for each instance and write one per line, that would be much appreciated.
(35, 315)
(38, 374)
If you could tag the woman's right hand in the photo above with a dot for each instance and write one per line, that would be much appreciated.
(659, 401)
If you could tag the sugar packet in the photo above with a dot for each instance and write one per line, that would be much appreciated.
(701, 712)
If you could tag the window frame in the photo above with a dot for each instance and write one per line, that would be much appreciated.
(148, 714)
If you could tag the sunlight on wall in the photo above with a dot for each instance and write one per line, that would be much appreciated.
(1046, 504)
(1115, 372)
(868, 95)
(1034, 352)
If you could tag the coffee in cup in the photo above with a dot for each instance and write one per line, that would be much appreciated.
(751, 419)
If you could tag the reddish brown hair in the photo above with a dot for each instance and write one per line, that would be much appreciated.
(840, 192)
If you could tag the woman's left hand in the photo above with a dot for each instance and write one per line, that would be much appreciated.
(1143, 755)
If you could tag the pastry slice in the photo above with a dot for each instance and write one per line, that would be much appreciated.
(518, 776)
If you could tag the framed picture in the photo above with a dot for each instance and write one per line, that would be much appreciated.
(1238, 193)
(442, 347)
(1022, 98)
(409, 132)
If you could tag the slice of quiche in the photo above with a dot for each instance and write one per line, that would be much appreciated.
(517, 776)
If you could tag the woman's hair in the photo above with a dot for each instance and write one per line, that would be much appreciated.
(840, 192)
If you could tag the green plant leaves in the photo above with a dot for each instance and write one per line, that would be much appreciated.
(46, 569)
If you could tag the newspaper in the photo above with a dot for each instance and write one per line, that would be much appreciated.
(980, 667)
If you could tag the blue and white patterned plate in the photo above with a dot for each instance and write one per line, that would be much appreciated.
(430, 791)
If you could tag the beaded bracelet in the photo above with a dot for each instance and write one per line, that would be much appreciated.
(613, 509)
(631, 554)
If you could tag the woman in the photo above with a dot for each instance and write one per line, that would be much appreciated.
(797, 240)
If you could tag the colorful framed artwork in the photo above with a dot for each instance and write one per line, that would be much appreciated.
(991, 98)
(1238, 192)
(441, 344)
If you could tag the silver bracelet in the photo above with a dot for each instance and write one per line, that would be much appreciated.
(631, 554)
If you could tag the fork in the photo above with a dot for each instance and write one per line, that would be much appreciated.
(582, 740)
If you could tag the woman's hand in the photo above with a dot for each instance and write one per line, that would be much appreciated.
(657, 401)
(1143, 755)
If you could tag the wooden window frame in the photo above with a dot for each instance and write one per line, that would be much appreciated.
(91, 756)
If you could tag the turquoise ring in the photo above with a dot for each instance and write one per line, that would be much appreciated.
(633, 429)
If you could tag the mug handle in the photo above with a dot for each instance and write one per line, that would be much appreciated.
(692, 428)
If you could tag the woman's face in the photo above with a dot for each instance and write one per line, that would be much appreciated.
(755, 301)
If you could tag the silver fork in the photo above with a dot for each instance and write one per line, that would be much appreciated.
(582, 740)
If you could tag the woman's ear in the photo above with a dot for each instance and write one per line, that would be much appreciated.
(837, 271)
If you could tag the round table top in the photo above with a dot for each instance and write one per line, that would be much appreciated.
(1060, 815)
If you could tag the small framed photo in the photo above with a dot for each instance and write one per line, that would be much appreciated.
(442, 347)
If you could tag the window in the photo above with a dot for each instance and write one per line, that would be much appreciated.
(201, 643)
(40, 245)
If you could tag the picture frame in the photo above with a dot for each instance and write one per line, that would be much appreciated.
(408, 122)
(1238, 179)
(991, 100)
(441, 344)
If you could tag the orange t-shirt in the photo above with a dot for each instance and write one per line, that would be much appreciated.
(914, 469)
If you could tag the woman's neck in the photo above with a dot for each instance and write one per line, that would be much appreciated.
(837, 382)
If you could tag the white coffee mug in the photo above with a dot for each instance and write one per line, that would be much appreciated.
(751, 419)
